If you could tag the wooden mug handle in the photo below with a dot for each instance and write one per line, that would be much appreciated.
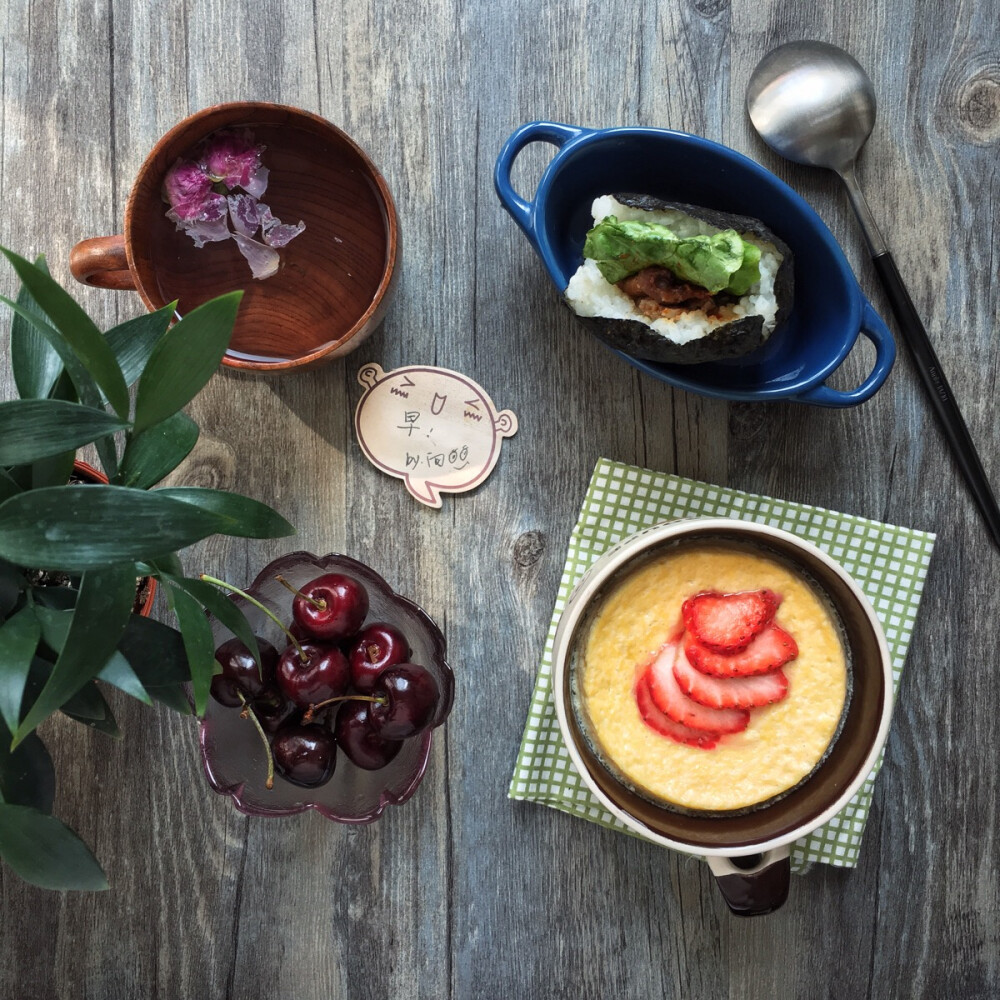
(101, 261)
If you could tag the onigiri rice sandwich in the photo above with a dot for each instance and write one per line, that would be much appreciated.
(677, 283)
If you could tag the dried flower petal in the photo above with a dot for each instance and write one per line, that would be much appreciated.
(257, 184)
(187, 188)
(209, 226)
(244, 211)
(282, 234)
(262, 259)
(233, 158)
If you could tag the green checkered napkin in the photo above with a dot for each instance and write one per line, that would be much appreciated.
(888, 563)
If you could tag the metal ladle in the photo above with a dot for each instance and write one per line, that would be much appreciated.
(814, 104)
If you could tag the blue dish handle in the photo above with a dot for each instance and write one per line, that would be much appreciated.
(874, 328)
(520, 208)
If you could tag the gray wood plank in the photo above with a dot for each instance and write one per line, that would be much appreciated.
(461, 893)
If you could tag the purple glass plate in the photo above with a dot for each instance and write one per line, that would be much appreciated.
(231, 748)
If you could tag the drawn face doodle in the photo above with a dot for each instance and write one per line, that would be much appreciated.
(435, 429)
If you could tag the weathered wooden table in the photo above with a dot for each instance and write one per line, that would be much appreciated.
(461, 892)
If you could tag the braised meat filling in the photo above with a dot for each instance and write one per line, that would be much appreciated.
(657, 292)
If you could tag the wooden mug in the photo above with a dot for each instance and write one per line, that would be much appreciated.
(336, 278)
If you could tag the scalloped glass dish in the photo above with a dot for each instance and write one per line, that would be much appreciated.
(231, 748)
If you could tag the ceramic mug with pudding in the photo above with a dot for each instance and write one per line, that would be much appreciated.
(331, 283)
(742, 798)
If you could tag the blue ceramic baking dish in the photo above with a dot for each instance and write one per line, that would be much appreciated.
(829, 311)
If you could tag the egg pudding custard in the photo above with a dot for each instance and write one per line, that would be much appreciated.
(638, 631)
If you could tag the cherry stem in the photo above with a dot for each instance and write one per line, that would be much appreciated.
(317, 602)
(248, 713)
(311, 710)
(257, 604)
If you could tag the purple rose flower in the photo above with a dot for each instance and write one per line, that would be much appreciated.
(233, 158)
(188, 189)
(218, 198)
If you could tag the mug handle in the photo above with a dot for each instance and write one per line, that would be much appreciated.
(101, 262)
(520, 208)
(755, 886)
(874, 328)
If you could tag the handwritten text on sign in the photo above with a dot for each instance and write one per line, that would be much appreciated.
(435, 429)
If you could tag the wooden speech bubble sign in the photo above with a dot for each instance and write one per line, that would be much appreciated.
(435, 429)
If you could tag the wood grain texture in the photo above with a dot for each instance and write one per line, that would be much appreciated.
(462, 893)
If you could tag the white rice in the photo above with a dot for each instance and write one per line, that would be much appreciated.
(589, 294)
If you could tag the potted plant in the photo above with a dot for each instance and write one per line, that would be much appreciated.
(70, 555)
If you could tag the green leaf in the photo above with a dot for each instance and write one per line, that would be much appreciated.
(55, 625)
(119, 673)
(11, 584)
(46, 852)
(77, 528)
(217, 604)
(87, 389)
(156, 653)
(9, 486)
(31, 429)
(103, 608)
(27, 776)
(243, 517)
(59, 598)
(199, 644)
(89, 707)
(157, 451)
(170, 564)
(185, 359)
(77, 329)
(173, 696)
(64, 389)
(19, 637)
(54, 471)
(34, 362)
(133, 341)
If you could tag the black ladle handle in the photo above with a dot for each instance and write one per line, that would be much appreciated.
(929, 369)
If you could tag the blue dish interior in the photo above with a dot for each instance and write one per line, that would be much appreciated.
(679, 167)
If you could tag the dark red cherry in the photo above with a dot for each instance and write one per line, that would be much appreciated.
(359, 741)
(273, 710)
(411, 697)
(380, 645)
(305, 755)
(323, 674)
(333, 606)
(299, 632)
(240, 673)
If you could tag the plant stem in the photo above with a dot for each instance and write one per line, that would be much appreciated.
(249, 713)
(257, 604)
(311, 710)
(317, 602)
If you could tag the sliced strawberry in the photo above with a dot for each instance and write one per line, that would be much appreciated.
(674, 703)
(666, 726)
(728, 692)
(773, 648)
(727, 623)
